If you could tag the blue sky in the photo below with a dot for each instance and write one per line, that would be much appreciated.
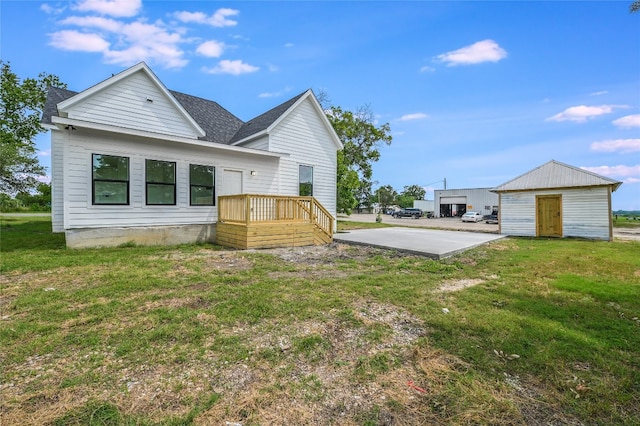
(475, 92)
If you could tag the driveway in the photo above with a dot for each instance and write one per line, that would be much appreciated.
(433, 243)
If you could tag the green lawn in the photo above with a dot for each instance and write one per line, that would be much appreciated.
(532, 332)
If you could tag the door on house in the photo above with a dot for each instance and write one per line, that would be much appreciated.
(231, 182)
(549, 215)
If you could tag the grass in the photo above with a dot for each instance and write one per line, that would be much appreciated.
(195, 334)
(626, 222)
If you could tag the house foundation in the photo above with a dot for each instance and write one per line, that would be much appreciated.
(146, 236)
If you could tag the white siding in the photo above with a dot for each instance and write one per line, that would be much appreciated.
(125, 104)
(518, 214)
(303, 135)
(477, 198)
(585, 212)
(57, 180)
(262, 143)
(80, 213)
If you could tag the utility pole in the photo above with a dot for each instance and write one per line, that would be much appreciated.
(445, 183)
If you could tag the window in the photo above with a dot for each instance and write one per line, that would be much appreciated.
(110, 180)
(202, 185)
(305, 180)
(161, 182)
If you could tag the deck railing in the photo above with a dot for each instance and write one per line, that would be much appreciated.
(248, 209)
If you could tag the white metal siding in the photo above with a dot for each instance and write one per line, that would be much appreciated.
(125, 104)
(477, 198)
(80, 213)
(518, 214)
(585, 212)
(303, 135)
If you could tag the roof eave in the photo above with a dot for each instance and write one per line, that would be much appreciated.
(614, 186)
(251, 137)
(60, 123)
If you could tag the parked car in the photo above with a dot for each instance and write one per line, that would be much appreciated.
(491, 218)
(414, 213)
(471, 217)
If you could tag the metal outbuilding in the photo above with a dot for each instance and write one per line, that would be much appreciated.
(557, 200)
(456, 202)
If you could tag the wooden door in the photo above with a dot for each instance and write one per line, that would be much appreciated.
(549, 215)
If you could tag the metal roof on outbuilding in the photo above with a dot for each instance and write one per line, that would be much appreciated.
(555, 174)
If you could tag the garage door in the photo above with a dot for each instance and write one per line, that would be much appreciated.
(453, 200)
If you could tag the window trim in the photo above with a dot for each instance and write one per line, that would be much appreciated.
(94, 180)
(147, 183)
(212, 187)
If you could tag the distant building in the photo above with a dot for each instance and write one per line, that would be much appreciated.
(456, 202)
(424, 205)
(557, 200)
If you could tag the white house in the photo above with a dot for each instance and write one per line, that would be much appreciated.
(557, 200)
(135, 162)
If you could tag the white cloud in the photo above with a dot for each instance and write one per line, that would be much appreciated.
(132, 42)
(45, 153)
(600, 93)
(218, 19)
(187, 17)
(275, 94)
(236, 67)
(616, 172)
(582, 113)
(126, 42)
(415, 116)
(151, 43)
(617, 145)
(106, 24)
(288, 45)
(117, 8)
(211, 49)
(427, 68)
(75, 41)
(481, 51)
(628, 121)
(50, 10)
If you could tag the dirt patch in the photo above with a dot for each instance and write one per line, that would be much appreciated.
(456, 285)
(327, 254)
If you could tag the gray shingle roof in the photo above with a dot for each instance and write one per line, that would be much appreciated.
(555, 174)
(219, 124)
(263, 121)
(54, 97)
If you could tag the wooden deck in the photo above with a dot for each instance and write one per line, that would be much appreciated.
(248, 221)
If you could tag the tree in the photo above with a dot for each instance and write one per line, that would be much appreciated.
(361, 139)
(39, 201)
(634, 7)
(22, 103)
(415, 191)
(404, 200)
(386, 196)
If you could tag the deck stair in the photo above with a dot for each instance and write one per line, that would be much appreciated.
(248, 221)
